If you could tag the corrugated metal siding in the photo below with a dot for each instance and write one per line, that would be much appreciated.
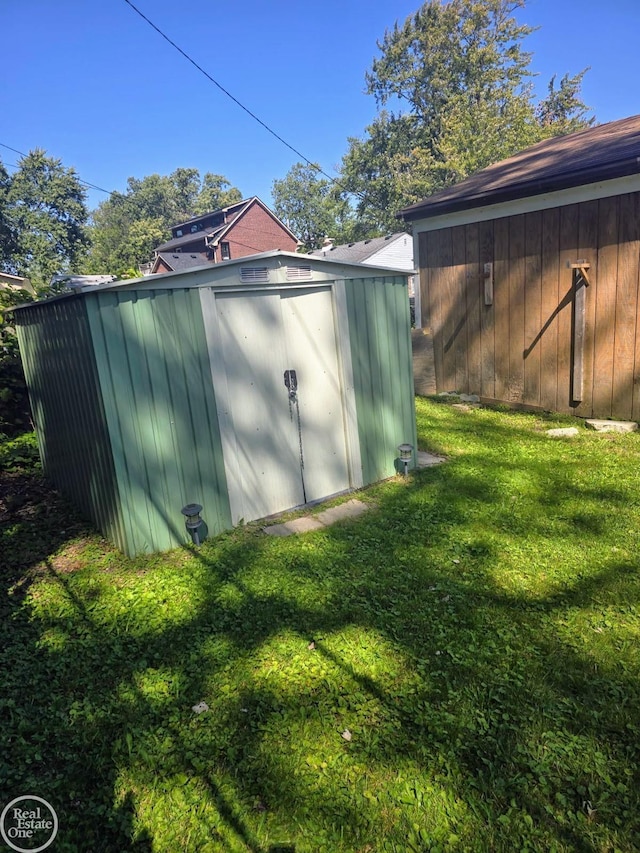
(152, 360)
(60, 368)
(382, 370)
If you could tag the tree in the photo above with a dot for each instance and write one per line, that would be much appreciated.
(42, 219)
(313, 208)
(128, 226)
(215, 193)
(454, 85)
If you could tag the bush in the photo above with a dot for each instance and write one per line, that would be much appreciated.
(15, 415)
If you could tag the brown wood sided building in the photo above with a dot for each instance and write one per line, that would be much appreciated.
(529, 274)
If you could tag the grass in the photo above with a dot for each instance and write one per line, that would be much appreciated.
(476, 633)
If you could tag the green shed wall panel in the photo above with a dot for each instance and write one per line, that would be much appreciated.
(59, 363)
(380, 334)
(152, 360)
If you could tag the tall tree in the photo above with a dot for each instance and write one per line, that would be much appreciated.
(42, 218)
(454, 87)
(128, 226)
(313, 208)
(215, 192)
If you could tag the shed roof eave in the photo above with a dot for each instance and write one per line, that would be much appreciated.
(427, 209)
(339, 270)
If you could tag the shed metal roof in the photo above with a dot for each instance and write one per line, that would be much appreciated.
(599, 153)
(207, 274)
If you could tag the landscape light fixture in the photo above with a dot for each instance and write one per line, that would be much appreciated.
(193, 522)
(406, 455)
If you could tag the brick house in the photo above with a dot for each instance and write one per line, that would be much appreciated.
(245, 228)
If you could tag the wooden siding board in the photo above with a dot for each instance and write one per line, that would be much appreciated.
(626, 308)
(459, 306)
(567, 254)
(516, 308)
(635, 236)
(587, 250)
(435, 296)
(605, 308)
(487, 315)
(424, 279)
(501, 308)
(475, 298)
(448, 290)
(532, 307)
(549, 309)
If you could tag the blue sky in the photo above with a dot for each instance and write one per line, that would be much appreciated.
(92, 84)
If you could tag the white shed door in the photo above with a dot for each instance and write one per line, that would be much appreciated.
(290, 445)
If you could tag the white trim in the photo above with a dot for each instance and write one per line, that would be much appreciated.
(345, 364)
(560, 198)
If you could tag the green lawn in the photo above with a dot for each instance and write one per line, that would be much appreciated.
(476, 633)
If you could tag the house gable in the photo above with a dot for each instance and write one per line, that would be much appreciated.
(255, 229)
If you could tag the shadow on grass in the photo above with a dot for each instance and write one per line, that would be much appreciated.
(500, 704)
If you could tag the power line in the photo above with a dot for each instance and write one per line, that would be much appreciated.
(228, 94)
(86, 183)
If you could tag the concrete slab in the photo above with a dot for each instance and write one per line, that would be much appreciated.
(425, 460)
(563, 432)
(350, 509)
(298, 525)
(308, 523)
(611, 426)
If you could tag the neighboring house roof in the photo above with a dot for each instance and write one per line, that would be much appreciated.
(212, 235)
(363, 252)
(177, 261)
(599, 153)
(215, 239)
(73, 281)
(230, 208)
(15, 282)
(177, 242)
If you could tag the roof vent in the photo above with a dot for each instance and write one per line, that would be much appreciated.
(254, 274)
(298, 273)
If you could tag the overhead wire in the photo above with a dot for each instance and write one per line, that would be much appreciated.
(225, 91)
(86, 183)
(239, 103)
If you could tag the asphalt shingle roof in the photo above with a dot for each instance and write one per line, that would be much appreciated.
(178, 261)
(599, 153)
(356, 253)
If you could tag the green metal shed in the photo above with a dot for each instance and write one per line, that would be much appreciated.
(249, 387)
